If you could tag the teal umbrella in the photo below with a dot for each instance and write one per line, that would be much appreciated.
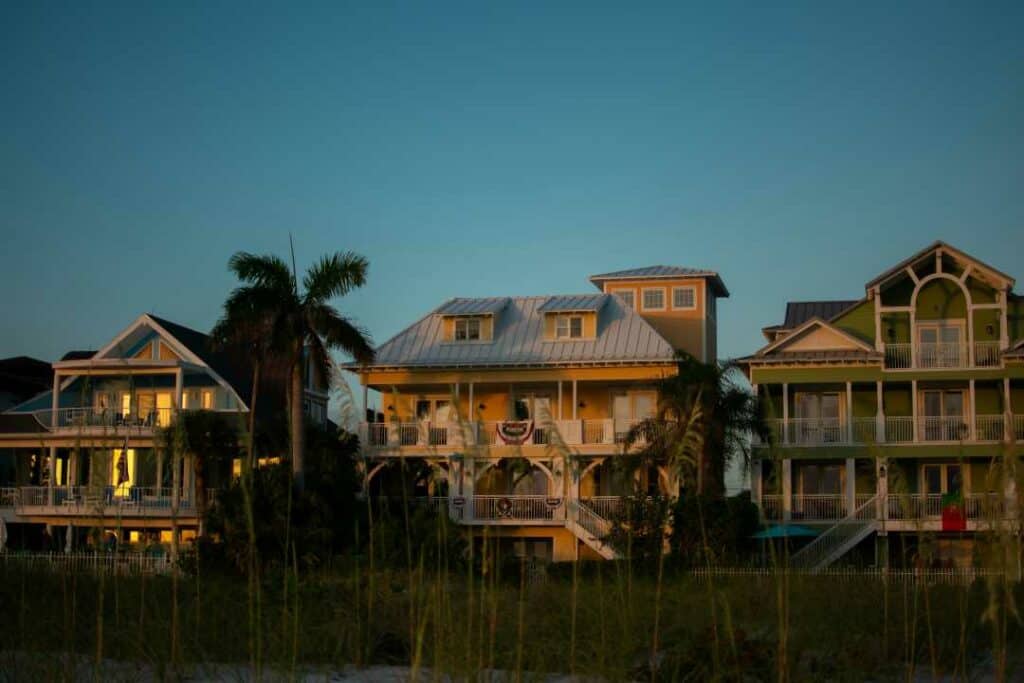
(786, 531)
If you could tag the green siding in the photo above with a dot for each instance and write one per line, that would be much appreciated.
(864, 403)
(896, 328)
(859, 321)
(980, 292)
(988, 400)
(1015, 317)
(983, 320)
(941, 300)
(896, 401)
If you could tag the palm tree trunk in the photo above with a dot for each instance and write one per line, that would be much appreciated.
(297, 425)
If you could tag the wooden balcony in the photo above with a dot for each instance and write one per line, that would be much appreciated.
(942, 355)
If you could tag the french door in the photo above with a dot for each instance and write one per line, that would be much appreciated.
(943, 415)
(941, 345)
(819, 418)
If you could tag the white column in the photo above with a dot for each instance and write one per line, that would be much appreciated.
(972, 414)
(179, 383)
(55, 402)
(881, 488)
(879, 413)
(970, 335)
(559, 399)
(51, 480)
(1004, 339)
(913, 407)
(574, 399)
(849, 412)
(785, 412)
(877, 296)
(851, 485)
(787, 489)
(1008, 426)
(472, 405)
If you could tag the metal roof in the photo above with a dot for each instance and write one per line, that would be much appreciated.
(488, 305)
(622, 337)
(664, 272)
(799, 312)
(574, 302)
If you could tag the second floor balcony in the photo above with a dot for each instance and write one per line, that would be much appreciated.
(894, 429)
(942, 355)
(93, 420)
(453, 436)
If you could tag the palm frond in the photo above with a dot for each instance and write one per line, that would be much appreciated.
(340, 333)
(335, 275)
(267, 271)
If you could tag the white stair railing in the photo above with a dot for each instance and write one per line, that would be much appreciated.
(836, 540)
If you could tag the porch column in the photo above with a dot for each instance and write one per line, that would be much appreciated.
(52, 475)
(559, 399)
(879, 414)
(55, 399)
(1004, 339)
(972, 414)
(881, 489)
(785, 412)
(179, 383)
(468, 480)
(851, 486)
(913, 407)
(849, 412)
(1008, 426)
(471, 416)
(787, 489)
(756, 483)
(72, 473)
(574, 399)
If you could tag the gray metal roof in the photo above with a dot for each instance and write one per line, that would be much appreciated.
(812, 356)
(664, 272)
(622, 337)
(574, 302)
(480, 306)
(799, 312)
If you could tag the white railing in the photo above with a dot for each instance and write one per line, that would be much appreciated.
(103, 418)
(598, 431)
(594, 524)
(8, 496)
(899, 355)
(950, 428)
(964, 576)
(104, 500)
(989, 428)
(811, 506)
(772, 506)
(607, 507)
(1018, 427)
(899, 428)
(514, 507)
(925, 355)
(485, 433)
(817, 432)
(835, 541)
(987, 354)
(94, 563)
(911, 506)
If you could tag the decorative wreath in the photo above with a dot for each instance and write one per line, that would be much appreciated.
(504, 507)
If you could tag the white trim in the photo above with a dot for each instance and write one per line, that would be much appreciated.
(806, 326)
(672, 301)
(630, 290)
(664, 298)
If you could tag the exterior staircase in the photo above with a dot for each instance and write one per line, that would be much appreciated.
(837, 540)
(589, 527)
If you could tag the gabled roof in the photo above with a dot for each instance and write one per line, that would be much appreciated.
(663, 272)
(799, 312)
(948, 249)
(623, 337)
(833, 344)
(481, 306)
(574, 302)
(78, 355)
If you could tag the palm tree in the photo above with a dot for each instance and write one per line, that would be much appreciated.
(302, 326)
(702, 422)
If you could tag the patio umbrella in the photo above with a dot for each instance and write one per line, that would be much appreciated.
(3, 535)
(785, 531)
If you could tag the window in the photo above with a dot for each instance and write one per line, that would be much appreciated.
(467, 329)
(569, 327)
(654, 299)
(628, 296)
(684, 298)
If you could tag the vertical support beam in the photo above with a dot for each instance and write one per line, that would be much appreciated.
(179, 386)
(366, 400)
(851, 485)
(972, 414)
(159, 471)
(1004, 339)
(879, 413)
(471, 416)
(757, 483)
(51, 475)
(574, 399)
(1008, 426)
(785, 412)
(970, 334)
(913, 336)
(849, 412)
(913, 408)
(876, 293)
(55, 402)
(787, 489)
(559, 399)
(882, 490)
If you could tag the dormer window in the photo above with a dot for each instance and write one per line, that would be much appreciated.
(467, 329)
(569, 327)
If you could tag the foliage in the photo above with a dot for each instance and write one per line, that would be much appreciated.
(703, 421)
(638, 529)
(713, 531)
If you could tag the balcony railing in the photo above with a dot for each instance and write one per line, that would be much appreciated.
(486, 433)
(898, 507)
(814, 507)
(911, 506)
(941, 355)
(898, 429)
(517, 508)
(111, 501)
(93, 419)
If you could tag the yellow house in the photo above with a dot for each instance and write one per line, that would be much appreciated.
(508, 412)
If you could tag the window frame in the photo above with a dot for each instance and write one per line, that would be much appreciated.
(631, 291)
(568, 319)
(693, 292)
(643, 299)
(467, 323)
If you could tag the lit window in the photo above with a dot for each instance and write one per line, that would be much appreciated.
(467, 329)
(654, 299)
(569, 327)
(684, 297)
(627, 296)
(207, 399)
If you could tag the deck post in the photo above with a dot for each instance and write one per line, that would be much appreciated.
(851, 485)
(849, 412)
(55, 399)
(881, 490)
(787, 489)
(574, 399)
(879, 414)
(559, 399)
(51, 475)
(179, 382)
(1008, 426)
(913, 408)
(785, 412)
(972, 414)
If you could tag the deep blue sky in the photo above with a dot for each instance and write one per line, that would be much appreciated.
(494, 148)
